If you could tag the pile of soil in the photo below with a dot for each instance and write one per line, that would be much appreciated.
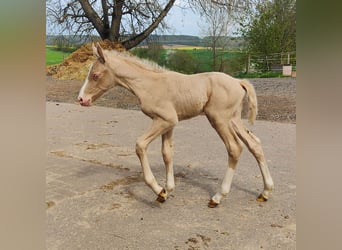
(76, 66)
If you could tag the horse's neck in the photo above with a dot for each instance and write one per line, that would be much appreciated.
(132, 77)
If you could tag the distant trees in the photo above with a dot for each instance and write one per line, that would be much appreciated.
(273, 27)
(268, 27)
(215, 28)
(218, 18)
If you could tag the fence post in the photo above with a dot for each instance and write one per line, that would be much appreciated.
(288, 58)
(248, 62)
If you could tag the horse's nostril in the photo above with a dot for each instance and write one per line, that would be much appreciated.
(80, 99)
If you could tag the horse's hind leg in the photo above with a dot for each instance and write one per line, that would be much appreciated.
(254, 146)
(167, 151)
(234, 149)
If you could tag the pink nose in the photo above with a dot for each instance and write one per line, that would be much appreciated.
(83, 102)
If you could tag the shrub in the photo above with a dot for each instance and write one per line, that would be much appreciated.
(181, 61)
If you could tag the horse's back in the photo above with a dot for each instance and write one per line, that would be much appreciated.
(225, 91)
(190, 95)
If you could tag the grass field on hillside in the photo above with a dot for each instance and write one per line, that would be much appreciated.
(205, 57)
(53, 56)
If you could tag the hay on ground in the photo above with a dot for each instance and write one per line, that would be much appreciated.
(76, 66)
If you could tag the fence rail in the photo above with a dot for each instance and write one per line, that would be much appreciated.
(270, 62)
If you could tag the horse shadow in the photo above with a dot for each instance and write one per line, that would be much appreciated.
(202, 181)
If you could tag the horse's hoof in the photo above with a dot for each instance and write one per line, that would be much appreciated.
(212, 204)
(162, 196)
(261, 198)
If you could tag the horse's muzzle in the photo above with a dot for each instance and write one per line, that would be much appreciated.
(83, 101)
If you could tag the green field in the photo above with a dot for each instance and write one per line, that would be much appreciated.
(202, 56)
(205, 58)
(194, 59)
(53, 56)
(199, 60)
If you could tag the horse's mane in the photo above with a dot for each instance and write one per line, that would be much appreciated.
(142, 63)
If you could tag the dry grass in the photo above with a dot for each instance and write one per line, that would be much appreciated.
(76, 66)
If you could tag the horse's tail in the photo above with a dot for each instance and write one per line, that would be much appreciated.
(252, 100)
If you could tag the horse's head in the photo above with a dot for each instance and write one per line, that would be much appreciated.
(99, 79)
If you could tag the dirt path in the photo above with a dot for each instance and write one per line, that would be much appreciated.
(276, 97)
(97, 199)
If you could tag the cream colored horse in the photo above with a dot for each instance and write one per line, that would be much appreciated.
(168, 97)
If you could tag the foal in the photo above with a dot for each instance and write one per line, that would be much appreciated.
(168, 97)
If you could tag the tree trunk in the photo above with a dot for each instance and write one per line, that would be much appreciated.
(116, 21)
(112, 31)
(93, 18)
(106, 28)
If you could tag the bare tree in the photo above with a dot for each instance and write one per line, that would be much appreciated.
(128, 22)
(217, 21)
(220, 16)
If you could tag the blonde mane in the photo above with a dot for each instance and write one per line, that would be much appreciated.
(141, 63)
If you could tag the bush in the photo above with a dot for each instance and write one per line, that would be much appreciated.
(181, 61)
(233, 65)
(153, 52)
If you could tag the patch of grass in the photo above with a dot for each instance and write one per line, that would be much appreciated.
(54, 56)
(203, 57)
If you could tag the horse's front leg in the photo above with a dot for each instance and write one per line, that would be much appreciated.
(167, 151)
(158, 127)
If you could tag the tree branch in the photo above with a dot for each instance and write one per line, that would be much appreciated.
(132, 42)
(92, 16)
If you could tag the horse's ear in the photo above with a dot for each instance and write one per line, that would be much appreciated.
(98, 53)
(94, 50)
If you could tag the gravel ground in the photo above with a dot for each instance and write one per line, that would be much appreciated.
(276, 97)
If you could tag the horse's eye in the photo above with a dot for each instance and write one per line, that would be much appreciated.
(95, 76)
